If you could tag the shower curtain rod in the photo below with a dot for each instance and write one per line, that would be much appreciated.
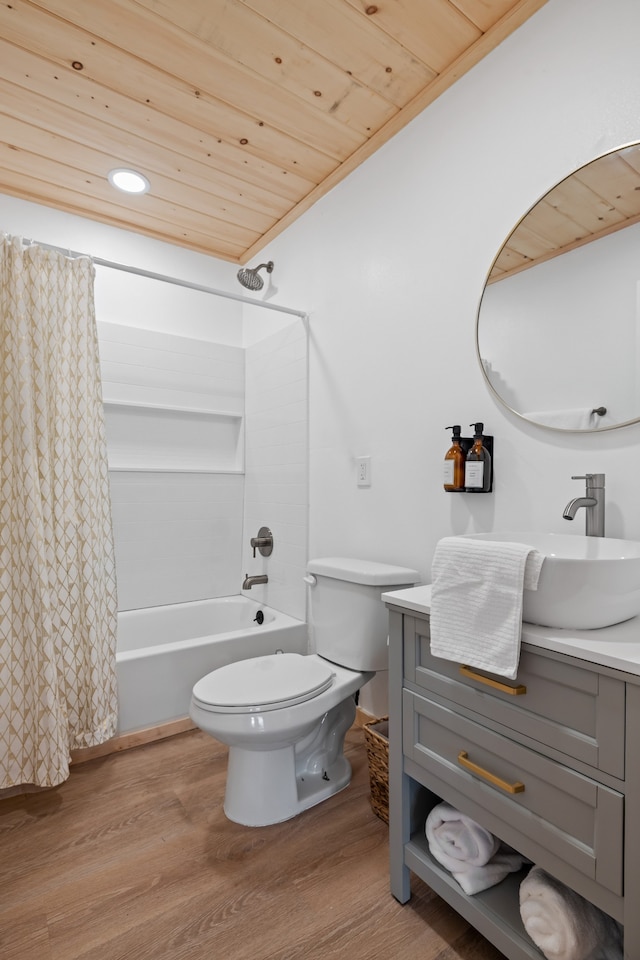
(138, 271)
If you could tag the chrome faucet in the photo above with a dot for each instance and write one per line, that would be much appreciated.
(593, 503)
(253, 581)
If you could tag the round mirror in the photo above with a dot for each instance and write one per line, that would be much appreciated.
(557, 333)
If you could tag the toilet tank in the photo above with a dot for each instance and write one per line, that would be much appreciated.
(348, 619)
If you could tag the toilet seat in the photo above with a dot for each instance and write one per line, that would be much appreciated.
(263, 683)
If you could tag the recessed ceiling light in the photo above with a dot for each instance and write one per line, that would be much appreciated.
(128, 180)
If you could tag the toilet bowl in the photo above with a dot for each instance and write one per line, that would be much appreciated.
(284, 755)
(284, 716)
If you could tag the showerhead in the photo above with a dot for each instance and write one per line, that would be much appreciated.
(251, 279)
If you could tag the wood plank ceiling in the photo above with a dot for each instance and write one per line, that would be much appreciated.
(598, 199)
(241, 113)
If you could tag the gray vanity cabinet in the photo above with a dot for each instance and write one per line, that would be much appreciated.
(564, 729)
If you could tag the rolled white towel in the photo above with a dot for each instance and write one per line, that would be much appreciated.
(457, 837)
(563, 925)
(473, 856)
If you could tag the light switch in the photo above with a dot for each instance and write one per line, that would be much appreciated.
(363, 471)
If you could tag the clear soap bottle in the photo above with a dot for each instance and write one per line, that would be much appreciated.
(454, 462)
(478, 464)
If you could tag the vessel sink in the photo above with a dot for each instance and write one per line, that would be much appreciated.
(585, 582)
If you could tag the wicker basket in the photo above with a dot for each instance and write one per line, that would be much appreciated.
(376, 736)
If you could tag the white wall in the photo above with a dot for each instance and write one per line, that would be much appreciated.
(130, 299)
(391, 265)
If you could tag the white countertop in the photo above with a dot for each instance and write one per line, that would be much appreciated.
(617, 646)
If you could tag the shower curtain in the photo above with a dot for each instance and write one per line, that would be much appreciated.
(58, 605)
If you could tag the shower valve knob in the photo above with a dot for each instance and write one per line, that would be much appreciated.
(263, 542)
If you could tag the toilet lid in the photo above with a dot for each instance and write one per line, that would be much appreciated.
(263, 683)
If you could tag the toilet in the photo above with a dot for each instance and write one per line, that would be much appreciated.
(284, 716)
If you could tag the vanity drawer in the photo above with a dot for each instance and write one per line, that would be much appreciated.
(558, 704)
(558, 809)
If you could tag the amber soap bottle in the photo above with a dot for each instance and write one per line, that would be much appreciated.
(478, 464)
(454, 463)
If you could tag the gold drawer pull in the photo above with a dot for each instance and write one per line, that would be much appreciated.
(463, 760)
(502, 687)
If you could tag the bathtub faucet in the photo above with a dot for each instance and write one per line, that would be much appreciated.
(252, 581)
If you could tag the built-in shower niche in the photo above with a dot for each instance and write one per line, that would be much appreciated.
(143, 436)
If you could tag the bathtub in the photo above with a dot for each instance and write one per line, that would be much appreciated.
(162, 651)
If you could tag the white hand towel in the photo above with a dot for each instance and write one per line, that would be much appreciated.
(563, 925)
(473, 856)
(476, 601)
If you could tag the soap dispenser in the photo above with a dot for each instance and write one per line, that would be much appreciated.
(478, 464)
(454, 462)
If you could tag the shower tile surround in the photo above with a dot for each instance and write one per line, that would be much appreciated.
(195, 465)
(276, 465)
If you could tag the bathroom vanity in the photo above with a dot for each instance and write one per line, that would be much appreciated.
(567, 730)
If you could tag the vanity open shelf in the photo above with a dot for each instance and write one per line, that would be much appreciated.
(568, 735)
(494, 912)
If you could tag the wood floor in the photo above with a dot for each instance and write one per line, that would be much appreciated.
(133, 859)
